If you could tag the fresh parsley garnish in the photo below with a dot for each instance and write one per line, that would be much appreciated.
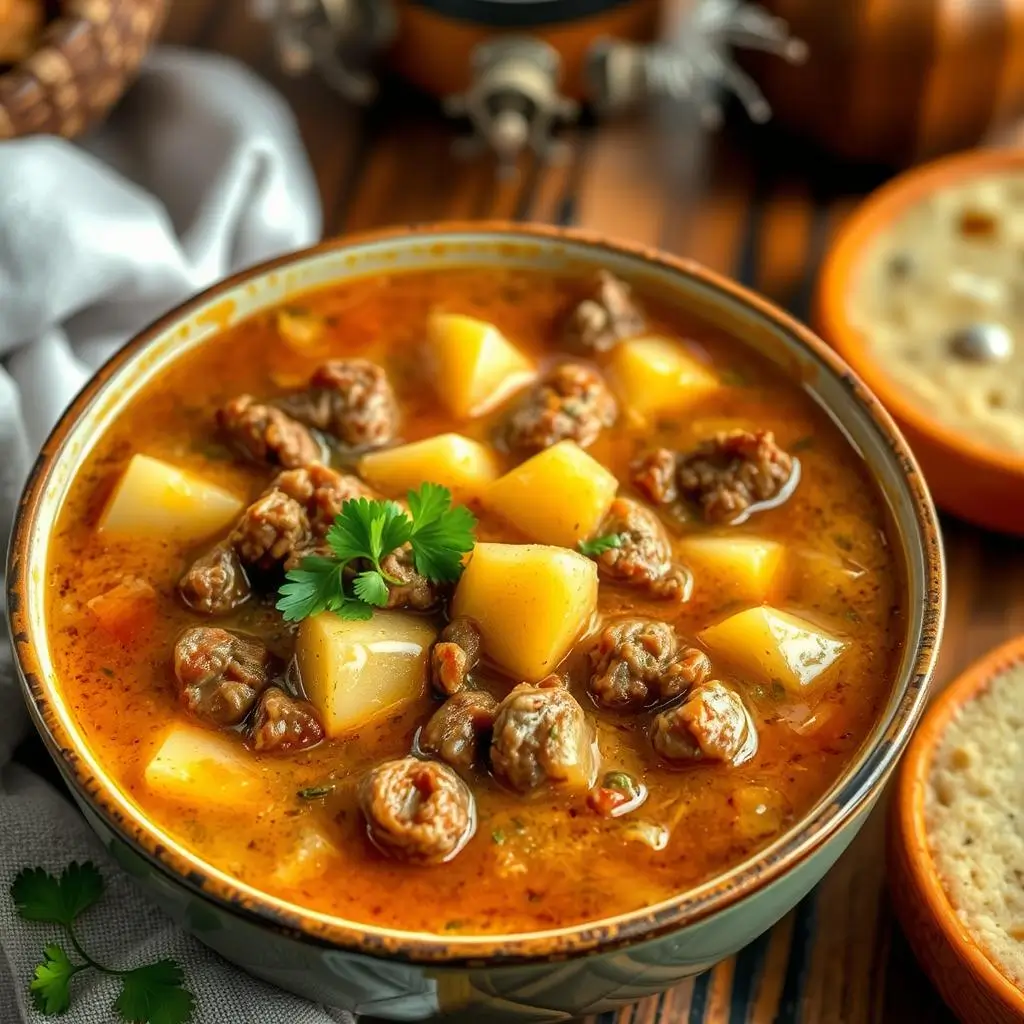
(599, 545)
(365, 532)
(151, 994)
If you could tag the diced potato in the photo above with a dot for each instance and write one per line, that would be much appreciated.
(760, 811)
(653, 375)
(741, 567)
(462, 465)
(558, 496)
(299, 329)
(473, 365)
(154, 499)
(308, 859)
(354, 671)
(202, 767)
(531, 602)
(774, 646)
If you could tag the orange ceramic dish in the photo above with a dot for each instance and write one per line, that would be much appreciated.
(968, 980)
(968, 478)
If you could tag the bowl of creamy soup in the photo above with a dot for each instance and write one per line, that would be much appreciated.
(480, 622)
(922, 294)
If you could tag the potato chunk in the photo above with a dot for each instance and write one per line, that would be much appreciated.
(558, 496)
(774, 646)
(354, 671)
(741, 568)
(201, 767)
(154, 499)
(473, 365)
(307, 859)
(654, 375)
(462, 465)
(530, 601)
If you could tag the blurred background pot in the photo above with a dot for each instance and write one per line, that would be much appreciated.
(896, 81)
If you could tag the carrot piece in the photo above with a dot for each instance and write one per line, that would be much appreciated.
(125, 610)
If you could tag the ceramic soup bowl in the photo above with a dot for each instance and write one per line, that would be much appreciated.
(544, 976)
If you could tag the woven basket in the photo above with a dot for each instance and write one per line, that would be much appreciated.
(85, 60)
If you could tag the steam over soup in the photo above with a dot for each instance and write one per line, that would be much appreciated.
(474, 601)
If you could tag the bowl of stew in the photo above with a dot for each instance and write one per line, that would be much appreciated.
(476, 621)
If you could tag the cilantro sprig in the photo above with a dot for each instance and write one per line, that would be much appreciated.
(151, 994)
(365, 532)
(599, 545)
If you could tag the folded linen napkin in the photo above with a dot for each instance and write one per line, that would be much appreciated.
(199, 173)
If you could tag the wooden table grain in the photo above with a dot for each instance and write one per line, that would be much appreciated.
(749, 204)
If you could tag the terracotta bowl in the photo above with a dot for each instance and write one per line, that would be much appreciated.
(85, 60)
(543, 976)
(970, 983)
(981, 484)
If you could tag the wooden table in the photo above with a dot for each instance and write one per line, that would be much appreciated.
(764, 217)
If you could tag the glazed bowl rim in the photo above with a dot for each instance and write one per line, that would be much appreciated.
(842, 263)
(912, 831)
(849, 794)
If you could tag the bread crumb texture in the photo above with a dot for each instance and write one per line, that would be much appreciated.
(974, 814)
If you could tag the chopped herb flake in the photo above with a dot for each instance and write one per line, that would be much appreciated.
(315, 792)
(618, 780)
(599, 545)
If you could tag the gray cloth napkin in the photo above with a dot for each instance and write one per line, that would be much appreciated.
(199, 173)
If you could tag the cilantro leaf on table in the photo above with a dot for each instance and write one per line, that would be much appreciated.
(40, 896)
(50, 986)
(599, 545)
(352, 580)
(154, 994)
(151, 994)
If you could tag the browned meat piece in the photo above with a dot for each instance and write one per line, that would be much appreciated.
(351, 399)
(572, 402)
(712, 724)
(221, 674)
(541, 734)
(459, 727)
(414, 591)
(607, 317)
(644, 557)
(266, 434)
(654, 476)
(734, 472)
(321, 491)
(455, 655)
(729, 476)
(637, 662)
(216, 583)
(418, 811)
(283, 722)
(270, 530)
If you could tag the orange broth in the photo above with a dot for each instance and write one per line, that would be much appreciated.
(539, 861)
